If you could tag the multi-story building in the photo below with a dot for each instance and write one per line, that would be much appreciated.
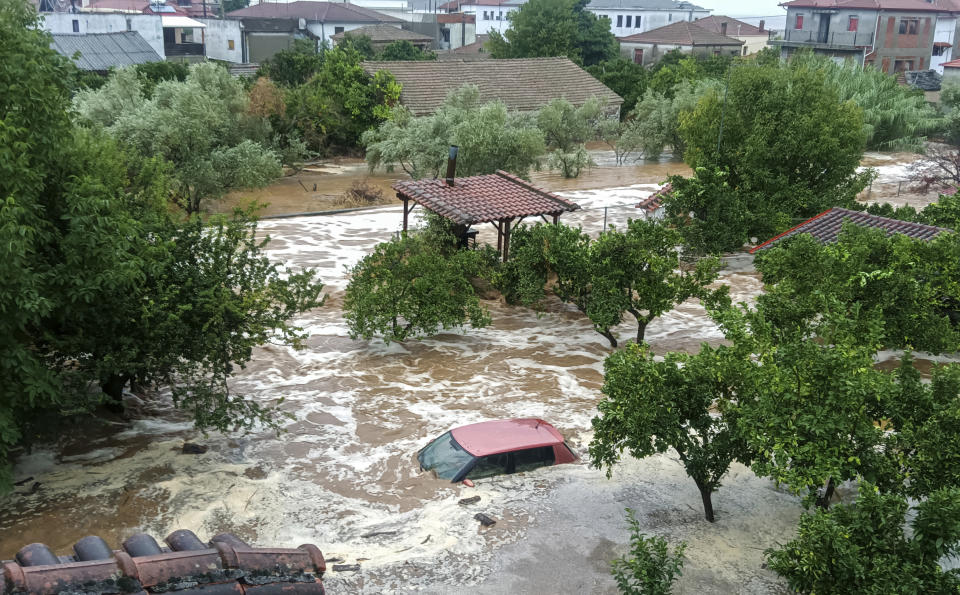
(892, 35)
(627, 17)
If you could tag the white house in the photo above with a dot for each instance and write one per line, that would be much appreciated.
(943, 40)
(491, 15)
(149, 26)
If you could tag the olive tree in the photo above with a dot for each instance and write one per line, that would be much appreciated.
(566, 128)
(650, 407)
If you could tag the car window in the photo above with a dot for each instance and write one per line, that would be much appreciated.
(445, 457)
(531, 458)
(489, 466)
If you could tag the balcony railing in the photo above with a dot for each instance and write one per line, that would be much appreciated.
(849, 39)
(183, 49)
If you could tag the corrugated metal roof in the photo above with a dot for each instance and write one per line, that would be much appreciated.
(525, 84)
(103, 51)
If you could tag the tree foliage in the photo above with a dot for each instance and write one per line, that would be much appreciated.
(788, 148)
(543, 28)
(862, 548)
(415, 286)
(637, 271)
(651, 406)
(404, 50)
(489, 138)
(649, 568)
(294, 65)
(625, 78)
(566, 129)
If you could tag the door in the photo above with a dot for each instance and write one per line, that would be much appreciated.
(638, 56)
(823, 33)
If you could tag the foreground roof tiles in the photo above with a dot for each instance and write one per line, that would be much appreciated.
(826, 227)
(188, 567)
(525, 84)
(323, 12)
(682, 33)
(479, 199)
(103, 51)
(653, 202)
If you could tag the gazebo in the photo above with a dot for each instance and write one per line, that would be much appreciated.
(501, 199)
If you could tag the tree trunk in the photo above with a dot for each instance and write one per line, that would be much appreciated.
(606, 333)
(641, 329)
(706, 495)
(823, 500)
(113, 388)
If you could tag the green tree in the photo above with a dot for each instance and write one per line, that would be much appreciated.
(566, 128)
(228, 6)
(862, 548)
(721, 218)
(943, 213)
(637, 271)
(651, 406)
(361, 44)
(555, 28)
(201, 126)
(294, 65)
(404, 50)
(415, 286)
(625, 78)
(789, 146)
(649, 568)
(151, 73)
(910, 285)
(489, 138)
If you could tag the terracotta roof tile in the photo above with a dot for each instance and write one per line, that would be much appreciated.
(735, 28)
(826, 227)
(524, 85)
(479, 199)
(323, 12)
(655, 200)
(681, 33)
(188, 566)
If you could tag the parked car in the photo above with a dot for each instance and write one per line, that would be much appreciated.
(493, 448)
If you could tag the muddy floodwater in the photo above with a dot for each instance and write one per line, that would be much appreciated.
(343, 474)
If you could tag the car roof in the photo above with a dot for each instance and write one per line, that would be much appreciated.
(492, 437)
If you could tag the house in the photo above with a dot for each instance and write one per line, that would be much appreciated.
(754, 37)
(628, 17)
(149, 26)
(951, 72)
(322, 20)
(383, 35)
(524, 85)
(892, 35)
(652, 206)
(100, 52)
(689, 38)
(826, 227)
(457, 30)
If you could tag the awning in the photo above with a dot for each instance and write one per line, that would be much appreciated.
(942, 44)
(181, 22)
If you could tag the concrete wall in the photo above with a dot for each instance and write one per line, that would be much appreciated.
(649, 19)
(652, 52)
(218, 37)
(951, 76)
(461, 34)
(752, 43)
(147, 25)
(490, 18)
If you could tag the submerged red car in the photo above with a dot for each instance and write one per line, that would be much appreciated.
(493, 448)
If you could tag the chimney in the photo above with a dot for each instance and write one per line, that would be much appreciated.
(761, 24)
(452, 164)
(723, 28)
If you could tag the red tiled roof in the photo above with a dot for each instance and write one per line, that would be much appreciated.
(479, 199)
(952, 64)
(456, 17)
(655, 200)
(735, 28)
(826, 227)
(323, 12)
(189, 566)
(681, 33)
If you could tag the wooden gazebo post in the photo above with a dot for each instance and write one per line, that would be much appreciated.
(506, 238)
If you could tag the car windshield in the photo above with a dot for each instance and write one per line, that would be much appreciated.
(445, 457)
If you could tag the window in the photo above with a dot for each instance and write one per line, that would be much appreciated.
(669, 17)
(76, 26)
(337, 30)
(902, 65)
(636, 21)
(799, 22)
(853, 23)
(638, 56)
(619, 20)
(129, 24)
(744, 50)
(716, 52)
(939, 50)
(629, 19)
(489, 466)
(230, 45)
(909, 26)
(530, 459)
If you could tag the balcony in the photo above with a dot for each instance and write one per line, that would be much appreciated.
(841, 40)
(182, 49)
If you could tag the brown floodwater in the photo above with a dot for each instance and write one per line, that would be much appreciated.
(344, 465)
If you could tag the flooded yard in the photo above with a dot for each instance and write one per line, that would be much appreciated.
(343, 474)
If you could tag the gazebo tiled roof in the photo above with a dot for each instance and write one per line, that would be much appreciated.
(481, 199)
(826, 227)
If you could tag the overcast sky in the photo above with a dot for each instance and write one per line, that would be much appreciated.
(759, 8)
